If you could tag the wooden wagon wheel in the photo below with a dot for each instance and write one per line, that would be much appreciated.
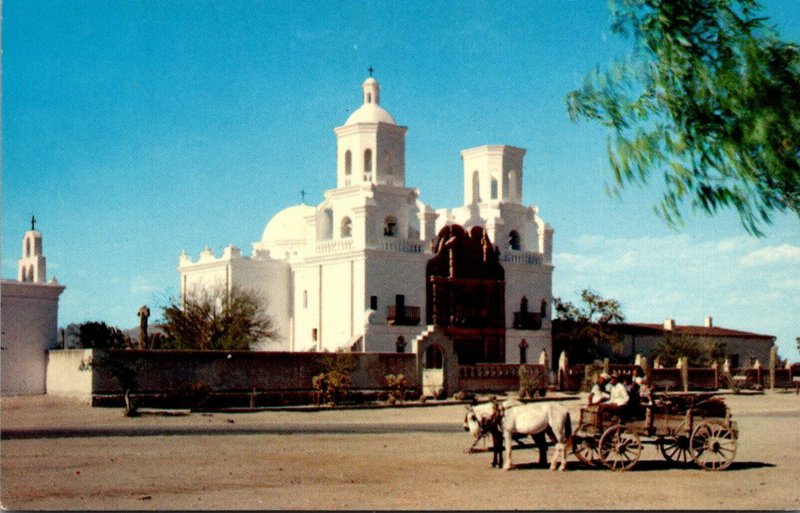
(713, 445)
(585, 444)
(619, 449)
(675, 446)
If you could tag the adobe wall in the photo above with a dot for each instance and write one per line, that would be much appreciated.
(219, 371)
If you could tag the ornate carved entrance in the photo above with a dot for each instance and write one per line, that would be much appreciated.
(466, 294)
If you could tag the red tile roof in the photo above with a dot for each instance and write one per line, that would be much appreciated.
(696, 331)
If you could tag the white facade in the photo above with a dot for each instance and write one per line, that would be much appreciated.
(28, 322)
(332, 274)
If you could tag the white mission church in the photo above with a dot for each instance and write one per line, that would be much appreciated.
(350, 272)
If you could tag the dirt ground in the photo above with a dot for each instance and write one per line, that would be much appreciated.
(399, 470)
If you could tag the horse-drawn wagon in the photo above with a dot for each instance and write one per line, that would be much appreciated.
(685, 427)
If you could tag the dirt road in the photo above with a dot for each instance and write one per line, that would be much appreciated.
(410, 469)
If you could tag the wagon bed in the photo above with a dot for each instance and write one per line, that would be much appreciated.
(685, 427)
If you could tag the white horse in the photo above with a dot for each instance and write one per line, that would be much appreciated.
(529, 419)
(482, 419)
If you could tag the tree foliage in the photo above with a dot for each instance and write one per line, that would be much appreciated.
(698, 352)
(213, 318)
(710, 97)
(95, 335)
(584, 330)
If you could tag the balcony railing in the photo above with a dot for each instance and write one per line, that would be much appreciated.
(384, 244)
(522, 257)
(401, 245)
(403, 316)
(334, 245)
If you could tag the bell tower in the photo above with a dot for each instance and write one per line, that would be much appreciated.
(371, 147)
(492, 173)
(32, 265)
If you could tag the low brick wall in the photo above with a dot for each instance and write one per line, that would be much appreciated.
(666, 379)
(495, 377)
(703, 378)
(572, 377)
(749, 377)
(783, 378)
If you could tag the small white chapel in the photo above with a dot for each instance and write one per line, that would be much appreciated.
(349, 273)
(28, 320)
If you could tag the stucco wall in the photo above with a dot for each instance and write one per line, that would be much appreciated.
(69, 373)
(271, 280)
(538, 341)
(29, 325)
(383, 338)
(268, 278)
(745, 348)
(390, 274)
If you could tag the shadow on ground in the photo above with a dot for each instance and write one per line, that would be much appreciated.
(644, 466)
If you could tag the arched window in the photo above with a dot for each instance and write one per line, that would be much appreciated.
(494, 188)
(369, 97)
(24, 274)
(30, 273)
(27, 247)
(390, 226)
(476, 187)
(513, 240)
(348, 162)
(346, 228)
(433, 358)
(367, 161)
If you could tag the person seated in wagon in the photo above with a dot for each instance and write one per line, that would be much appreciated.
(600, 392)
(618, 396)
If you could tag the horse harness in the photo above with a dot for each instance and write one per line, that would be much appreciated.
(494, 420)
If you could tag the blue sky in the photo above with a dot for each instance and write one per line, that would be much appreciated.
(136, 129)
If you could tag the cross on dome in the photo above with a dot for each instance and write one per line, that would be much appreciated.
(33, 222)
(370, 69)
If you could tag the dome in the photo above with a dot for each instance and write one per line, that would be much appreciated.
(288, 224)
(370, 113)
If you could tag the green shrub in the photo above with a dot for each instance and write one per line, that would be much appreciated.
(397, 385)
(531, 381)
(333, 387)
